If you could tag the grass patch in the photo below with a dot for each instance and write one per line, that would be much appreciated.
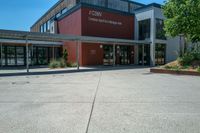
(198, 69)
(70, 64)
(175, 68)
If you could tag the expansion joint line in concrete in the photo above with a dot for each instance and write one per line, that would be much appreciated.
(94, 99)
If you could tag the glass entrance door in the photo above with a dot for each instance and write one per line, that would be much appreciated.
(108, 55)
(145, 55)
(124, 55)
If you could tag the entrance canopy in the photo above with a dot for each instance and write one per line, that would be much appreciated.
(36, 37)
(48, 39)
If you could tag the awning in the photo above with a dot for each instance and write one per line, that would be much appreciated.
(12, 41)
(48, 37)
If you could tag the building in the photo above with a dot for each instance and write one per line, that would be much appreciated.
(103, 20)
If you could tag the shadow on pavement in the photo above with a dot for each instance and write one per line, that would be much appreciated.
(57, 71)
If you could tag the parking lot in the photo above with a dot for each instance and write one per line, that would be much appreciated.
(128, 100)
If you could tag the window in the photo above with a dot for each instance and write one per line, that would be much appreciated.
(64, 11)
(160, 33)
(41, 28)
(95, 2)
(118, 5)
(45, 27)
(58, 15)
(144, 29)
(48, 25)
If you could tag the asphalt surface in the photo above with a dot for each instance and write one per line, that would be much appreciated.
(118, 101)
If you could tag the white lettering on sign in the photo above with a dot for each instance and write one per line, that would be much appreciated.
(105, 21)
(95, 13)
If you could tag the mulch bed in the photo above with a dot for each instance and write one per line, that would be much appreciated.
(182, 72)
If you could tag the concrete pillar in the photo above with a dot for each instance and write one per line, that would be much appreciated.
(27, 56)
(136, 62)
(77, 55)
(1, 55)
(153, 38)
(114, 55)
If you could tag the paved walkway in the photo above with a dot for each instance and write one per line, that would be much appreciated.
(112, 101)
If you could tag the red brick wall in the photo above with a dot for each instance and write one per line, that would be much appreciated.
(101, 24)
(106, 24)
(71, 25)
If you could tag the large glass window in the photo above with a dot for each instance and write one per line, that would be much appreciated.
(118, 5)
(160, 54)
(144, 29)
(160, 33)
(11, 54)
(2, 55)
(20, 55)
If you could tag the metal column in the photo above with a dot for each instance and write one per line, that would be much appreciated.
(1, 55)
(53, 53)
(27, 56)
(32, 55)
(143, 54)
(77, 55)
(114, 58)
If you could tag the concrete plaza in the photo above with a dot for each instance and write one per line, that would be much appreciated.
(128, 100)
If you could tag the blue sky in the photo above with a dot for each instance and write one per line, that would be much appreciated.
(21, 14)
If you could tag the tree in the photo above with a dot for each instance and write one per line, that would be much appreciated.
(183, 17)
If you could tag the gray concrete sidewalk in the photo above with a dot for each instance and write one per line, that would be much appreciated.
(127, 101)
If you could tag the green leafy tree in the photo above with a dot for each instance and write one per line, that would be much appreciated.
(183, 17)
(65, 55)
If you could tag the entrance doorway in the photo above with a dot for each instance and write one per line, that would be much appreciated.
(108, 55)
(124, 55)
(144, 54)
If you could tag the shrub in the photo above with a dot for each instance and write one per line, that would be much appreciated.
(70, 64)
(57, 64)
(65, 56)
(186, 59)
(185, 67)
(62, 63)
(54, 64)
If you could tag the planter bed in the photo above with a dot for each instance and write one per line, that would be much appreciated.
(181, 72)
